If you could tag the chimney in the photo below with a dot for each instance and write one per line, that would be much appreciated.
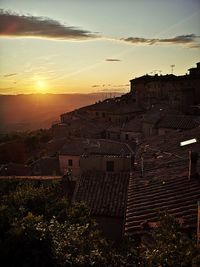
(193, 158)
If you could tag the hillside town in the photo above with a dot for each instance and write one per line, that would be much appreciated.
(125, 157)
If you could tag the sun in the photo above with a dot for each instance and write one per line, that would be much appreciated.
(41, 86)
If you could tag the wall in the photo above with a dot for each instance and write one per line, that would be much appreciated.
(131, 135)
(162, 131)
(113, 135)
(63, 161)
(148, 129)
(98, 163)
(60, 130)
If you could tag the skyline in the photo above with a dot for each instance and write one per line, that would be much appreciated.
(91, 46)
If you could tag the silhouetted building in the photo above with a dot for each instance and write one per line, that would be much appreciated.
(180, 92)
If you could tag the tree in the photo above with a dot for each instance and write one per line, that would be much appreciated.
(170, 246)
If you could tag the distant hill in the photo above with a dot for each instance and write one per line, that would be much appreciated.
(34, 111)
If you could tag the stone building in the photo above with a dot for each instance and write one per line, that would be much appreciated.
(180, 92)
(82, 155)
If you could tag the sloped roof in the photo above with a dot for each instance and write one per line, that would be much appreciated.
(177, 195)
(165, 184)
(95, 146)
(103, 105)
(157, 112)
(105, 194)
(45, 166)
(178, 122)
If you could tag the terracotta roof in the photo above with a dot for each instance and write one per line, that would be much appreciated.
(45, 166)
(105, 194)
(95, 146)
(157, 112)
(177, 195)
(164, 184)
(178, 122)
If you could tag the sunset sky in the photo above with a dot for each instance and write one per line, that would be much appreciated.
(82, 46)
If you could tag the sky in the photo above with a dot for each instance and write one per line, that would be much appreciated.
(84, 46)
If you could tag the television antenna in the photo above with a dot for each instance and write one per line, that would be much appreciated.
(172, 68)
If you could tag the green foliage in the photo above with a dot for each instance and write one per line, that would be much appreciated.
(39, 227)
(169, 246)
(32, 140)
(27, 243)
(77, 245)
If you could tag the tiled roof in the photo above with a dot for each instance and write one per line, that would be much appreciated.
(177, 195)
(157, 112)
(95, 146)
(105, 194)
(178, 122)
(164, 184)
(45, 166)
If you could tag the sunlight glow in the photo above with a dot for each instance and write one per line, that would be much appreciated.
(41, 86)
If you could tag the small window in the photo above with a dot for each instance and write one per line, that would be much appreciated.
(70, 162)
(110, 166)
(126, 137)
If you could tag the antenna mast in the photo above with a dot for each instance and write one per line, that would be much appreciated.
(172, 68)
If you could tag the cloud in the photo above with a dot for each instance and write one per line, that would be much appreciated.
(31, 26)
(5, 89)
(17, 25)
(96, 85)
(9, 75)
(112, 59)
(191, 40)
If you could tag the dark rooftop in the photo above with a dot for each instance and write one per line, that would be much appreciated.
(164, 184)
(178, 122)
(105, 194)
(95, 146)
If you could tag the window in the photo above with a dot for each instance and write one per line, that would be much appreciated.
(110, 166)
(126, 137)
(97, 114)
(70, 162)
